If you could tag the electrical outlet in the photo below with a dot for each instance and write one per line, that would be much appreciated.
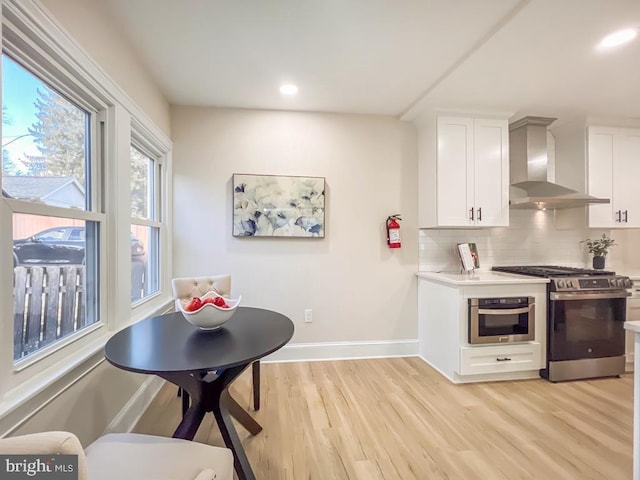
(308, 316)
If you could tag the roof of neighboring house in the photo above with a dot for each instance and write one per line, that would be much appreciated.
(35, 187)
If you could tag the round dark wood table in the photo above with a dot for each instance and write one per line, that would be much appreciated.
(170, 347)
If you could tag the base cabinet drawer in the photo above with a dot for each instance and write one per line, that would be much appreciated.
(500, 358)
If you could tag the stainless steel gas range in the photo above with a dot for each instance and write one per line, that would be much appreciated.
(586, 310)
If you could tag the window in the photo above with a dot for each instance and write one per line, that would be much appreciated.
(145, 223)
(65, 223)
(48, 164)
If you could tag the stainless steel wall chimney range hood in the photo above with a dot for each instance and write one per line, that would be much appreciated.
(531, 177)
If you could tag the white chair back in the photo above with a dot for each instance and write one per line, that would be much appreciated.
(186, 288)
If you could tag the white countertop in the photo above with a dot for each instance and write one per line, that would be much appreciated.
(633, 326)
(632, 275)
(479, 277)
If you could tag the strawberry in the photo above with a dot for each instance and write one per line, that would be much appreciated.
(209, 300)
(219, 302)
(193, 305)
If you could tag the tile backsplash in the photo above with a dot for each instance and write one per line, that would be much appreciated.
(531, 238)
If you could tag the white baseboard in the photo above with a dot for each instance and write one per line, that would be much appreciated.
(130, 414)
(436, 369)
(498, 377)
(300, 352)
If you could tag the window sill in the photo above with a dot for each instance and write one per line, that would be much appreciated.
(153, 306)
(26, 362)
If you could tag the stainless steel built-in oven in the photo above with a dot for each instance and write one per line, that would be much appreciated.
(586, 334)
(501, 320)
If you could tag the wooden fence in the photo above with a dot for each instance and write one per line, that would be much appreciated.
(48, 304)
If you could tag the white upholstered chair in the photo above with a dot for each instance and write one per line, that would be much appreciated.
(185, 288)
(189, 287)
(129, 456)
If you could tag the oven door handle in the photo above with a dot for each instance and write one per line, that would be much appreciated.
(503, 311)
(554, 296)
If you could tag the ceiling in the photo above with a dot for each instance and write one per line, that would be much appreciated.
(396, 58)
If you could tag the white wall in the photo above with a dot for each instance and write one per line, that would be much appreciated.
(82, 403)
(91, 26)
(358, 288)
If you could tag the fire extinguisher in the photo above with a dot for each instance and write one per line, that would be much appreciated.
(393, 231)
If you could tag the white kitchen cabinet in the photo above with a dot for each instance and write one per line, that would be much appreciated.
(443, 327)
(471, 171)
(613, 172)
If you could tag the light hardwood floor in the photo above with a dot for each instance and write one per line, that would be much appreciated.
(399, 419)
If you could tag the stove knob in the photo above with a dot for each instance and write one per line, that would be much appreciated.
(560, 283)
(628, 283)
(569, 284)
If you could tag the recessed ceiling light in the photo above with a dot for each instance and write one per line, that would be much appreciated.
(618, 38)
(288, 89)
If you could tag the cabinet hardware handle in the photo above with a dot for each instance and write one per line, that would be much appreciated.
(626, 216)
(471, 214)
(505, 359)
(619, 216)
(479, 214)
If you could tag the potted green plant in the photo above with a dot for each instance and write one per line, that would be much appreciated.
(599, 248)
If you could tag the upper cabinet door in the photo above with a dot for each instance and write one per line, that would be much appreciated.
(614, 169)
(491, 172)
(600, 175)
(626, 175)
(454, 182)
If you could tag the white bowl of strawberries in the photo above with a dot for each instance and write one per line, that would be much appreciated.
(208, 312)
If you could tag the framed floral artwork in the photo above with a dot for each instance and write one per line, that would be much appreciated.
(278, 206)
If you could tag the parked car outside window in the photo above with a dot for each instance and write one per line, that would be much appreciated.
(62, 246)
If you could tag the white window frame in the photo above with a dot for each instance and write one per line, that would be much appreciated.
(33, 58)
(35, 39)
(156, 217)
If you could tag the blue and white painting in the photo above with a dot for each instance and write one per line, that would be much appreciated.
(278, 206)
